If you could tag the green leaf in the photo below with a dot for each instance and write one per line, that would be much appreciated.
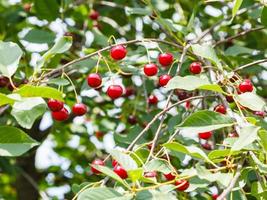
(124, 160)
(59, 81)
(262, 167)
(247, 136)
(188, 150)
(220, 153)
(62, 45)
(39, 36)
(4, 99)
(207, 52)
(251, 100)
(40, 91)
(137, 11)
(110, 173)
(205, 120)
(236, 7)
(46, 9)
(100, 193)
(158, 165)
(10, 54)
(237, 50)
(14, 142)
(186, 83)
(135, 174)
(154, 195)
(28, 110)
(264, 16)
(263, 138)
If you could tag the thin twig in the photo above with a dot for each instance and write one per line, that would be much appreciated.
(250, 64)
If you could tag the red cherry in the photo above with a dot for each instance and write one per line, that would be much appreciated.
(61, 115)
(3, 81)
(229, 99)
(129, 91)
(183, 184)
(220, 109)
(169, 176)
(114, 91)
(132, 119)
(182, 95)
(97, 162)
(164, 79)
(215, 196)
(150, 69)
(149, 146)
(99, 134)
(94, 80)
(79, 109)
(205, 135)
(165, 59)
(55, 105)
(152, 99)
(207, 146)
(150, 174)
(246, 86)
(94, 15)
(195, 67)
(114, 163)
(233, 134)
(187, 104)
(260, 113)
(118, 52)
(120, 171)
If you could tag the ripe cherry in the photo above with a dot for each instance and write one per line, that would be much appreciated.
(229, 98)
(205, 135)
(99, 134)
(195, 67)
(152, 99)
(150, 69)
(165, 59)
(233, 134)
(169, 176)
(3, 81)
(207, 146)
(132, 119)
(94, 80)
(118, 52)
(150, 174)
(259, 113)
(61, 115)
(114, 91)
(97, 162)
(215, 196)
(129, 91)
(120, 171)
(94, 15)
(183, 184)
(114, 163)
(182, 94)
(245, 86)
(79, 109)
(55, 105)
(164, 79)
(220, 109)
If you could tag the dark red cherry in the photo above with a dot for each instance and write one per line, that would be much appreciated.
(118, 52)
(205, 135)
(183, 184)
(94, 80)
(245, 86)
(169, 176)
(114, 91)
(150, 69)
(195, 67)
(55, 105)
(207, 146)
(229, 98)
(260, 113)
(61, 115)
(164, 79)
(150, 174)
(3, 81)
(79, 109)
(220, 109)
(152, 99)
(165, 59)
(129, 91)
(120, 171)
(132, 119)
(97, 162)
(94, 15)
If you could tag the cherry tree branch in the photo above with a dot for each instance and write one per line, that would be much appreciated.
(251, 64)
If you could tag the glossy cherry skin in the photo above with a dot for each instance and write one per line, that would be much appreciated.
(164, 79)
(150, 69)
(114, 91)
(150, 174)
(152, 99)
(61, 115)
(169, 176)
(207, 146)
(245, 86)
(94, 80)
(259, 113)
(97, 162)
(118, 52)
(229, 99)
(132, 119)
(184, 184)
(3, 81)
(205, 135)
(114, 163)
(94, 15)
(195, 67)
(165, 59)
(215, 196)
(120, 171)
(55, 105)
(220, 109)
(79, 109)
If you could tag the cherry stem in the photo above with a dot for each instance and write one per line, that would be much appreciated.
(112, 37)
(75, 92)
(12, 83)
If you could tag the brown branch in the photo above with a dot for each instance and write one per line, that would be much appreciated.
(238, 35)
(250, 64)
